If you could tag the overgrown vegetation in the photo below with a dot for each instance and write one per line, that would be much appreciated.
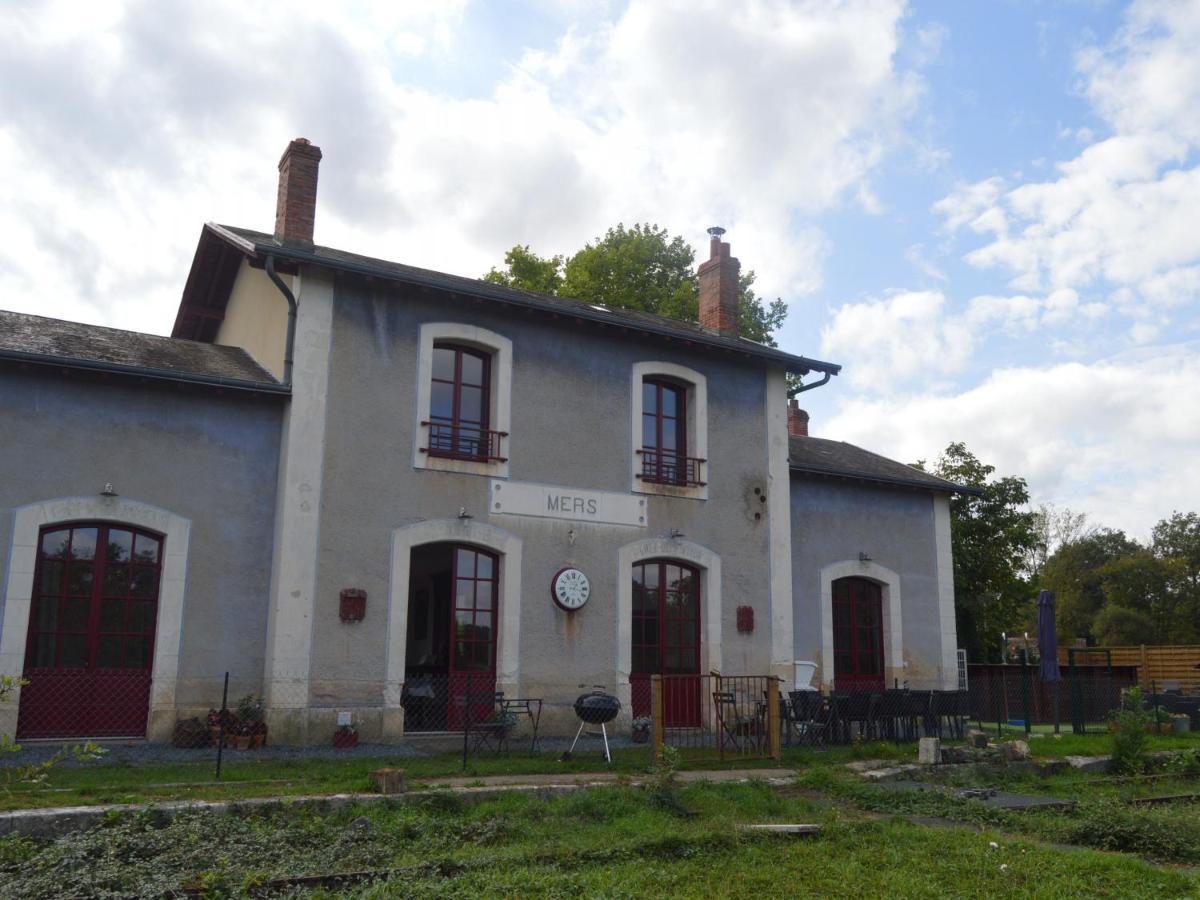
(35, 773)
(610, 841)
(1129, 737)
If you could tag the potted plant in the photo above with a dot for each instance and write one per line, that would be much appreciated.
(214, 720)
(242, 736)
(190, 734)
(250, 715)
(641, 730)
(346, 737)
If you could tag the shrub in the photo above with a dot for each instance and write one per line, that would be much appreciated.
(1129, 732)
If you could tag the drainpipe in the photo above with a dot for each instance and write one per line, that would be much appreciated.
(809, 387)
(291, 329)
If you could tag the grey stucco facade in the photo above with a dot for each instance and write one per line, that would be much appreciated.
(887, 535)
(170, 454)
(281, 444)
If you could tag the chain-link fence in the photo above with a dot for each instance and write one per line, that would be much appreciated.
(1014, 696)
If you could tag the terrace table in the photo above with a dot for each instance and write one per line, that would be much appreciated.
(530, 707)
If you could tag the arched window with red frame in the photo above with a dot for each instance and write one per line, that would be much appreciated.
(460, 404)
(664, 450)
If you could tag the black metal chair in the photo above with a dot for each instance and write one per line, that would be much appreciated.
(810, 718)
(915, 714)
(856, 708)
(948, 712)
(730, 722)
(492, 729)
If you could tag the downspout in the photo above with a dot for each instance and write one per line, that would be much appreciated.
(291, 329)
(806, 387)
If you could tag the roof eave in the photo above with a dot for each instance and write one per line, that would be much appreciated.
(946, 487)
(148, 372)
(482, 290)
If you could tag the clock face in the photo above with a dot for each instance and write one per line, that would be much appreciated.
(570, 588)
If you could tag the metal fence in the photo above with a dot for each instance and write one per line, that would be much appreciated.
(1014, 696)
(723, 716)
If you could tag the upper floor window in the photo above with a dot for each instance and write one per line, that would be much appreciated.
(459, 404)
(670, 430)
(664, 451)
(463, 399)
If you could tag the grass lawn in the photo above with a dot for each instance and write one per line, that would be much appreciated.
(611, 842)
(245, 775)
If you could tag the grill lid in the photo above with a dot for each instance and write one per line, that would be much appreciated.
(597, 707)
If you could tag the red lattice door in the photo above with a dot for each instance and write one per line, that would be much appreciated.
(90, 645)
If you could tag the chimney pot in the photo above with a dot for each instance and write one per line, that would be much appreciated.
(717, 278)
(296, 203)
(797, 419)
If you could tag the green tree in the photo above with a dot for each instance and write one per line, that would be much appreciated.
(1074, 573)
(642, 268)
(1139, 582)
(991, 535)
(526, 270)
(1176, 541)
(1115, 625)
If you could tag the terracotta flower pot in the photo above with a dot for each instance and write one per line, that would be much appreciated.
(345, 741)
(241, 741)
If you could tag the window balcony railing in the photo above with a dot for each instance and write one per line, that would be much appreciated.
(660, 467)
(465, 442)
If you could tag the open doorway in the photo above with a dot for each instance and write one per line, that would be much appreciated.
(450, 658)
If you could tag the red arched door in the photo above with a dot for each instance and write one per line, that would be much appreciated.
(666, 639)
(90, 645)
(857, 634)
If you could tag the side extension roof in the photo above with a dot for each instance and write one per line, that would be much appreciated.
(819, 456)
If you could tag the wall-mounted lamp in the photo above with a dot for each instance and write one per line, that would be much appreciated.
(463, 514)
(674, 534)
(109, 490)
(571, 536)
(864, 557)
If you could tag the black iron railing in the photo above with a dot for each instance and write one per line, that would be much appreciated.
(464, 442)
(670, 468)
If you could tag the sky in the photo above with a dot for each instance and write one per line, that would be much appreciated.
(988, 213)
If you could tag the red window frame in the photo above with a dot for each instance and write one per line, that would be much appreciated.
(666, 619)
(474, 587)
(858, 634)
(107, 598)
(661, 463)
(456, 436)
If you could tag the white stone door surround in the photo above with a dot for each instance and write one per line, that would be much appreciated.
(18, 593)
(453, 531)
(893, 619)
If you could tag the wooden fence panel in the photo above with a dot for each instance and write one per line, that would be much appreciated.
(1180, 663)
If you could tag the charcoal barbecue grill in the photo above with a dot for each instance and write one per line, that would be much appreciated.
(596, 707)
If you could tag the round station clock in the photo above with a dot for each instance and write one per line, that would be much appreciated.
(570, 588)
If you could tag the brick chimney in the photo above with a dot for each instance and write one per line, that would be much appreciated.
(296, 206)
(718, 279)
(797, 419)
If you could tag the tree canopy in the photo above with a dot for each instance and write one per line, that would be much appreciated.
(640, 268)
(991, 535)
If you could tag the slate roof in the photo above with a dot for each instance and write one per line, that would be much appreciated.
(36, 339)
(262, 244)
(819, 456)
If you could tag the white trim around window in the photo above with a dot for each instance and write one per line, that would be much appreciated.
(697, 426)
(500, 399)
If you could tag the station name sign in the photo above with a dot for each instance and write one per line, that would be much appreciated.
(548, 501)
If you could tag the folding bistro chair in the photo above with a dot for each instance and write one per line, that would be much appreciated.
(493, 731)
(726, 709)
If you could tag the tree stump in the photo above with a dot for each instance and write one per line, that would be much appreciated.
(389, 781)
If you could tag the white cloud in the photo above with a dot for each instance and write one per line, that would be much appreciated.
(1115, 438)
(1120, 216)
(138, 122)
(896, 339)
